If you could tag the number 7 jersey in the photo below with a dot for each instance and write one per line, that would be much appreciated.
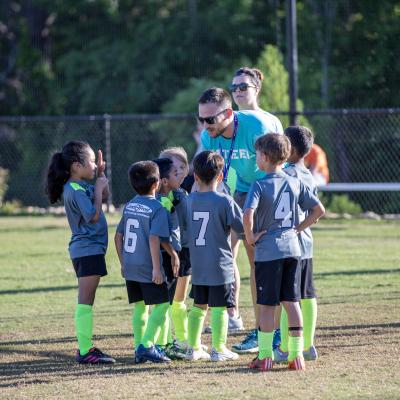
(142, 216)
(276, 199)
(210, 218)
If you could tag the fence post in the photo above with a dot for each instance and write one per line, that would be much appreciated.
(107, 131)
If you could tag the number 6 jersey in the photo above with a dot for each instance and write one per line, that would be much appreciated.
(275, 199)
(143, 216)
(210, 218)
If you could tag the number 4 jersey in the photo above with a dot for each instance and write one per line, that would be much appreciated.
(210, 218)
(276, 199)
(143, 216)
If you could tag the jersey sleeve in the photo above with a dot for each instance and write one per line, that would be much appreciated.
(159, 223)
(204, 141)
(84, 204)
(307, 199)
(253, 197)
(235, 217)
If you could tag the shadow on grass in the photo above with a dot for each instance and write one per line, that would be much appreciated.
(32, 229)
(55, 288)
(357, 272)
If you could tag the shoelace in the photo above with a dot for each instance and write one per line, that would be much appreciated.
(249, 337)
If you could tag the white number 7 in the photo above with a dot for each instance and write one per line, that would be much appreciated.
(283, 211)
(204, 216)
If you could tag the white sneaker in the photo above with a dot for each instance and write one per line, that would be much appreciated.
(235, 324)
(184, 345)
(196, 355)
(224, 355)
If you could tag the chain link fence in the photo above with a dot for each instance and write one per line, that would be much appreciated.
(361, 146)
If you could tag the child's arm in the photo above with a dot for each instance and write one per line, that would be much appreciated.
(316, 212)
(119, 242)
(154, 242)
(101, 184)
(101, 167)
(251, 238)
(174, 257)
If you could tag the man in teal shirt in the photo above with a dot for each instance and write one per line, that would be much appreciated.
(233, 135)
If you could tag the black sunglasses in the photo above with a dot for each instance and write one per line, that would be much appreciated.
(210, 120)
(241, 86)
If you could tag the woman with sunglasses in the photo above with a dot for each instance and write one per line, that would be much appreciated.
(245, 88)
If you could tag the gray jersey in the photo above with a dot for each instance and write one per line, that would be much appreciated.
(276, 200)
(304, 174)
(143, 216)
(180, 201)
(211, 216)
(87, 238)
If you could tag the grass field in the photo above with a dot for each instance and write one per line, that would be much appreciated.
(357, 271)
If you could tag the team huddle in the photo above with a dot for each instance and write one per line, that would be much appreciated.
(168, 237)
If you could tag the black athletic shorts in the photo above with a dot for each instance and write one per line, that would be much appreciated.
(307, 290)
(151, 293)
(90, 265)
(278, 280)
(185, 268)
(214, 296)
(240, 199)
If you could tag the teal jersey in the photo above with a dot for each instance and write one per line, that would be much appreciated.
(276, 200)
(251, 125)
(87, 238)
(142, 216)
(304, 174)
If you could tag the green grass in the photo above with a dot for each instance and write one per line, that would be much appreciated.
(357, 273)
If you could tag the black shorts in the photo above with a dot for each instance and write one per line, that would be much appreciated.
(307, 289)
(90, 265)
(214, 296)
(185, 268)
(240, 199)
(151, 293)
(278, 280)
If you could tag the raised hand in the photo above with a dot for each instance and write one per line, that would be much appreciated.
(101, 165)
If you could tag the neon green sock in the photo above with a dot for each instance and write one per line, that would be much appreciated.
(84, 327)
(309, 311)
(195, 325)
(170, 338)
(265, 344)
(180, 320)
(284, 330)
(154, 324)
(140, 313)
(163, 337)
(219, 325)
(296, 345)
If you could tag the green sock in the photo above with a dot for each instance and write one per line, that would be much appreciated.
(309, 311)
(195, 325)
(296, 346)
(162, 338)
(265, 344)
(140, 314)
(180, 320)
(284, 330)
(154, 324)
(170, 338)
(219, 325)
(84, 327)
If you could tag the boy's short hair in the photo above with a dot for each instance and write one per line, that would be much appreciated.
(208, 165)
(143, 175)
(301, 138)
(216, 95)
(177, 152)
(165, 166)
(275, 146)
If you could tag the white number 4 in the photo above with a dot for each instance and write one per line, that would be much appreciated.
(130, 238)
(205, 217)
(283, 211)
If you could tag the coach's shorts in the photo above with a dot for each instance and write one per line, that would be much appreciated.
(90, 265)
(307, 289)
(278, 280)
(185, 268)
(240, 199)
(214, 296)
(151, 293)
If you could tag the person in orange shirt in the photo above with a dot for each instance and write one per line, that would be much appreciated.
(317, 163)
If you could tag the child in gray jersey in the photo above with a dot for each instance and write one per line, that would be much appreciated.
(68, 175)
(210, 218)
(301, 140)
(141, 231)
(272, 225)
